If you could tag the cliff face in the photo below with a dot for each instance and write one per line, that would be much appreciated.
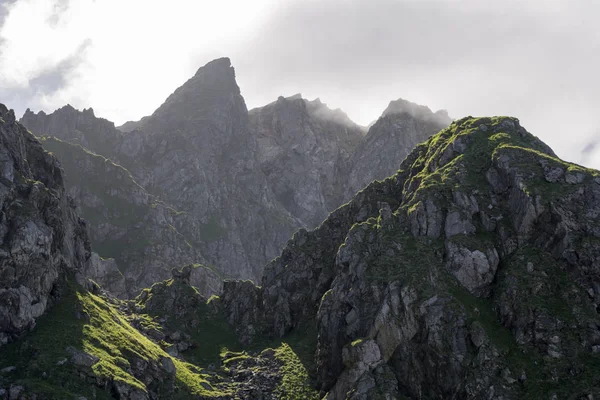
(42, 238)
(78, 127)
(389, 140)
(244, 181)
(196, 153)
(303, 149)
(472, 272)
(126, 223)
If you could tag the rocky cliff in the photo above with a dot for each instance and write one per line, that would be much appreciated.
(470, 273)
(245, 181)
(303, 149)
(127, 224)
(42, 238)
(78, 127)
(401, 127)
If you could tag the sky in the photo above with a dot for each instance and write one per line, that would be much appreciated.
(536, 60)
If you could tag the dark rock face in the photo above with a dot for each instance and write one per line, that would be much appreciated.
(471, 273)
(43, 239)
(196, 153)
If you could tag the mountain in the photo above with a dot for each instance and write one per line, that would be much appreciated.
(128, 224)
(472, 272)
(401, 127)
(196, 153)
(303, 148)
(245, 181)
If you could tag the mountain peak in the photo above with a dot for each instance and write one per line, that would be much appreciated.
(211, 88)
(217, 72)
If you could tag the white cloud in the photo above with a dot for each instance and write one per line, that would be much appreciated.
(139, 51)
(124, 57)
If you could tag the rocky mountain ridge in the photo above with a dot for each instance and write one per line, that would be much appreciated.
(470, 273)
(245, 180)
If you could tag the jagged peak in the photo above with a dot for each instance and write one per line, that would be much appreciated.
(8, 115)
(89, 111)
(218, 64)
(217, 72)
(402, 106)
(213, 81)
(315, 108)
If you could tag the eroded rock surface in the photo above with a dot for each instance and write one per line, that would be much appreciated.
(43, 239)
(467, 274)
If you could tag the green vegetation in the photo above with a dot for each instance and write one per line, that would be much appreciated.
(411, 260)
(437, 170)
(294, 376)
(184, 310)
(545, 287)
(88, 323)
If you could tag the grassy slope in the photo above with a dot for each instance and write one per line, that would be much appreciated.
(89, 323)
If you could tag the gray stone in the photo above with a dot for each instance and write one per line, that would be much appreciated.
(15, 391)
(81, 358)
(47, 239)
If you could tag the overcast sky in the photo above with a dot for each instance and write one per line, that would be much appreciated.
(533, 59)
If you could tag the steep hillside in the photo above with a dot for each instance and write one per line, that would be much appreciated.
(126, 223)
(471, 273)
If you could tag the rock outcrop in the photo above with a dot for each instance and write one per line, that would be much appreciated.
(470, 273)
(42, 238)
